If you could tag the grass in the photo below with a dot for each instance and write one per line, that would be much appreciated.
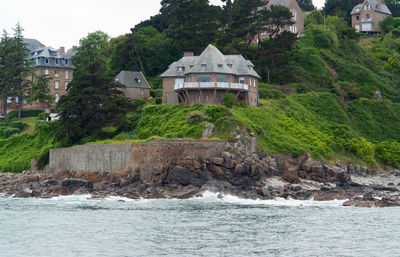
(31, 121)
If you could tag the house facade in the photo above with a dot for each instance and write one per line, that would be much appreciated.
(294, 8)
(207, 78)
(365, 17)
(136, 84)
(57, 64)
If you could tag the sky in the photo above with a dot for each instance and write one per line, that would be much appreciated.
(62, 23)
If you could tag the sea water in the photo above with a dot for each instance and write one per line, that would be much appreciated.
(204, 226)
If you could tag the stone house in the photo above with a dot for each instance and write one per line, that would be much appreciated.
(57, 64)
(136, 84)
(207, 78)
(294, 8)
(365, 17)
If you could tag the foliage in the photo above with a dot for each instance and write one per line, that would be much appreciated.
(24, 113)
(306, 5)
(40, 91)
(341, 8)
(196, 117)
(389, 153)
(229, 100)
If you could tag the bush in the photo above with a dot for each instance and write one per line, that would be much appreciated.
(24, 114)
(18, 124)
(362, 149)
(196, 117)
(229, 100)
(389, 153)
(265, 93)
(6, 132)
(40, 116)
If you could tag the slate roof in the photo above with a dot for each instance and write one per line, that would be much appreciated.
(33, 44)
(132, 79)
(211, 61)
(278, 2)
(375, 6)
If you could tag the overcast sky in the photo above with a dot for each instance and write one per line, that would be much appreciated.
(62, 23)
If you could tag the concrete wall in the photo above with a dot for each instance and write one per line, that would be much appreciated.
(103, 158)
(142, 156)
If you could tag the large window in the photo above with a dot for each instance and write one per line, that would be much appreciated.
(203, 78)
(57, 98)
(222, 78)
(66, 75)
(57, 85)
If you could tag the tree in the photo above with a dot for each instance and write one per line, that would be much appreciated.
(394, 7)
(94, 98)
(40, 91)
(5, 69)
(340, 8)
(306, 5)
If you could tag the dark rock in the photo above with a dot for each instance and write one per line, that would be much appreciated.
(217, 161)
(182, 176)
(343, 178)
(239, 169)
(74, 182)
(291, 177)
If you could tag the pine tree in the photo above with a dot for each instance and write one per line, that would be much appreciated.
(5, 69)
(40, 91)
(306, 5)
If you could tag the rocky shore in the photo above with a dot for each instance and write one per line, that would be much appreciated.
(238, 171)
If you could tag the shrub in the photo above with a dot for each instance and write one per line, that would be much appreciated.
(362, 149)
(6, 132)
(24, 114)
(229, 100)
(40, 116)
(389, 153)
(18, 124)
(196, 117)
(266, 93)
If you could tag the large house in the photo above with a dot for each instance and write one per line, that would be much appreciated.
(57, 64)
(294, 8)
(207, 78)
(136, 84)
(365, 17)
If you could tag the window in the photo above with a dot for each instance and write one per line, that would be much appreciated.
(66, 62)
(203, 78)
(250, 67)
(367, 16)
(57, 85)
(294, 13)
(367, 7)
(222, 78)
(46, 72)
(250, 81)
(57, 98)
(66, 75)
(220, 66)
(56, 61)
(206, 98)
(37, 72)
(56, 73)
(181, 68)
(37, 61)
(357, 18)
(138, 80)
(47, 60)
(203, 65)
(241, 80)
(9, 99)
(66, 85)
(230, 65)
(142, 92)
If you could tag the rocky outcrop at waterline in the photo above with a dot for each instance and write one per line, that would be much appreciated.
(238, 170)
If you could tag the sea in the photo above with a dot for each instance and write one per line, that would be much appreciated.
(205, 226)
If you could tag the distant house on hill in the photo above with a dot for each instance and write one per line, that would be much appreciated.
(57, 64)
(136, 84)
(294, 8)
(365, 17)
(207, 78)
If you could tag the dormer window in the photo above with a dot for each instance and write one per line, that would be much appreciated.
(66, 62)
(47, 60)
(203, 65)
(138, 80)
(230, 65)
(191, 65)
(250, 67)
(367, 7)
(220, 66)
(181, 68)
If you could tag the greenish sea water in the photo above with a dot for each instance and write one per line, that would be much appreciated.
(206, 226)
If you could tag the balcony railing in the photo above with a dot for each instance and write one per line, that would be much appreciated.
(212, 85)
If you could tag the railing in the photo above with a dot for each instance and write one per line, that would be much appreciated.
(366, 20)
(224, 85)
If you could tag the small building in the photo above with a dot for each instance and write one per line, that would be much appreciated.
(136, 84)
(365, 17)
(294, 8)
(207, 78)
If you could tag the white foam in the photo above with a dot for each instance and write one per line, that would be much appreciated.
(274, 202)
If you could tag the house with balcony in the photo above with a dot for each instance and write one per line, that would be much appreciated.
(365, 17)
(207, 78)
(297, 16)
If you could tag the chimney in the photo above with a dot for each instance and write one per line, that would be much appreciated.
(62, 49)
(186, 54)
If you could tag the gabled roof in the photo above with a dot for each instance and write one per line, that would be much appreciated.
(132, 79)
(377, 6)
(49, 52)
(33, 44)
(211, 61)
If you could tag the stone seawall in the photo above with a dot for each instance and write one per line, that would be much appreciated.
(122, 157)
(101, 158)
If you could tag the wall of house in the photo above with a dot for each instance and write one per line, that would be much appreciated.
(136, 93)
(376, 17)
(169, 95)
